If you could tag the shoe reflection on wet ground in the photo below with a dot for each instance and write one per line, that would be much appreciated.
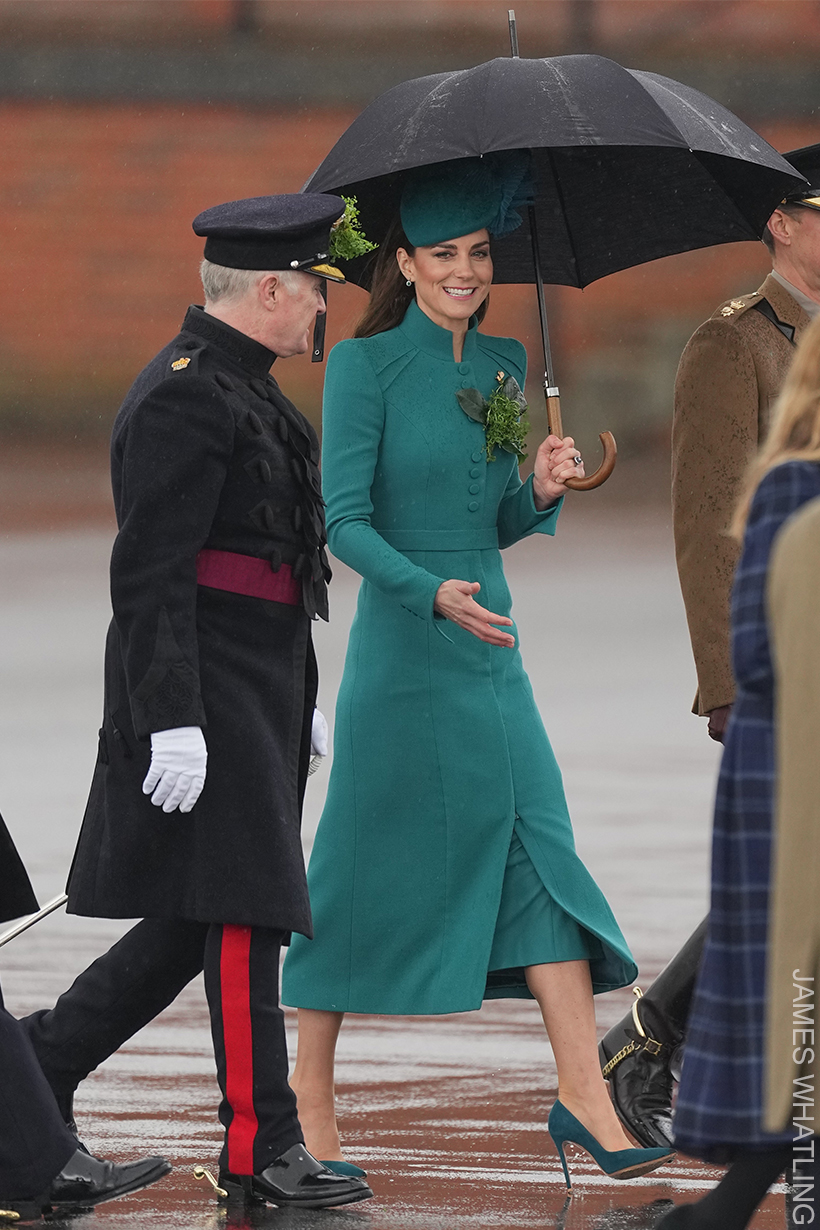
(447, 1114)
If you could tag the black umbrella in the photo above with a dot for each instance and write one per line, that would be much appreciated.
(629, 166)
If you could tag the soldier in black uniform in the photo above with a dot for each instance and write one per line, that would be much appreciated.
(193, 820)
(41, 1167)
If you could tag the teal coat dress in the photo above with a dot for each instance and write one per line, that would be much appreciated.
(444, 861)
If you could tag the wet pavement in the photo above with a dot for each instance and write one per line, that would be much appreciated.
(447, 1114)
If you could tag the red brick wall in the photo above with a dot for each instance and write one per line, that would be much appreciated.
(733, 28)
(96, 205)
(99, 260)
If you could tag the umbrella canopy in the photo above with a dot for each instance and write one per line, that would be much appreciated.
(629, 166)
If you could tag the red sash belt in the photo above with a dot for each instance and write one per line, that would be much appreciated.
(245, 574)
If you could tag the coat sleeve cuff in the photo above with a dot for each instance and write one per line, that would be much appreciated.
(519, 518)
(420, 598)
(171, 702)
(168, 695)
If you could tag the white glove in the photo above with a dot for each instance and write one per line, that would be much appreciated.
(178, 760)
(318, 734)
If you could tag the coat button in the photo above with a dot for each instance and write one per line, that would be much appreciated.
(464, 369)
(297, 518)
(259, 388)
(465, 384)
(475, 472)
(478, 454)
(256, 423)
(474, 488)
(223, 381)
(282, 428)
(473, 506)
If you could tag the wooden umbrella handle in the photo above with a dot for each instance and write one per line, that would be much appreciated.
(607, 443)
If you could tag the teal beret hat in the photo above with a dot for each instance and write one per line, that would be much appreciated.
(450, 199)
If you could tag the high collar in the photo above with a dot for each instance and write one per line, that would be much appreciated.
(243, 350)
(430, 337)
(809, 306)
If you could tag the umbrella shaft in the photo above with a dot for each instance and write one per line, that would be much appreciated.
(549, 373)
(20, 927)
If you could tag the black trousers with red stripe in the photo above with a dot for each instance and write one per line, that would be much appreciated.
(258, 1108)
(142, 974)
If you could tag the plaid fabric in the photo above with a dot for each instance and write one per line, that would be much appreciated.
(719, 1106)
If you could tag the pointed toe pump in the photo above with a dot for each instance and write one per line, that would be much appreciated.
(565, 1129)
(346, 1168)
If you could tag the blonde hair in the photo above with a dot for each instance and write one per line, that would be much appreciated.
(795, 431)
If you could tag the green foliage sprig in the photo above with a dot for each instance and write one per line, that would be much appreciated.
(347, 239)
(501, 415)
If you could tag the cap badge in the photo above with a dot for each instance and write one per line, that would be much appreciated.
(179, 365)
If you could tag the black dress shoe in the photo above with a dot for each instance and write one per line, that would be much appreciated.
(86, 1180)
(295, 1178)
(636, 1058)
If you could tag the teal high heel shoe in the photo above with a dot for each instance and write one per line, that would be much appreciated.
(347, 1169)
(565, 1129)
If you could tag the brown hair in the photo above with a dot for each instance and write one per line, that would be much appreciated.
(390, 296)
(795, 430)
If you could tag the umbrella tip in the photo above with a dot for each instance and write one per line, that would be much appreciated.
(513, 33)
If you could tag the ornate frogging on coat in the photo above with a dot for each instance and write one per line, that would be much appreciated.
(209, 457)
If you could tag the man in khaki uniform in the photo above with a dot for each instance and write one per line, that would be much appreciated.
(729, 377)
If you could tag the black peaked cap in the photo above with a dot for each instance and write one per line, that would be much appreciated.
(289, 231)
(807, 162)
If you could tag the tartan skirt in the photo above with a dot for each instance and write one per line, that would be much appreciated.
(720, 1101)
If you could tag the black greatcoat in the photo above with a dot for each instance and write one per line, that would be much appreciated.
(207, 453)
(35, 1144)
(16, 894)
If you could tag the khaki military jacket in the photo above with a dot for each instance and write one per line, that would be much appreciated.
(729, 376)
(794, 912)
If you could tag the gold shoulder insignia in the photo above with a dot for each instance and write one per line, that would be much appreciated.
(734, 305)
(179, 365)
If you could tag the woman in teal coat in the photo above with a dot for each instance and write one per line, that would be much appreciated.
(444, 869)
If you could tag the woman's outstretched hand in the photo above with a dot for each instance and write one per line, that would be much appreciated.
(554, 464)
(454, 600)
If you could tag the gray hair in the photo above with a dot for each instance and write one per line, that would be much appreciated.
(221, 283)
(792, 208)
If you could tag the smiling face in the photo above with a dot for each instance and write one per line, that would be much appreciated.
(452, 279)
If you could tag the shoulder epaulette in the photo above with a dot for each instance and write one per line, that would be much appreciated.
(185, 358)
(735, 307)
